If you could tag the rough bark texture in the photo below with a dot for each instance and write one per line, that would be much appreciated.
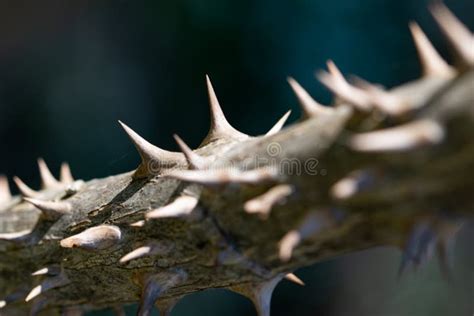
(397, 189)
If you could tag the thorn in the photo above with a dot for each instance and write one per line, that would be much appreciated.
(51, 210)
(46, 285)
(308, 105)
(313, 224)
(138, 224)
(459, 36)
(194, 160)
(263, 204)
(95, 238)
(182, 206)
(335, 81)
(385, 101)
(155, 286)
(65, 174)
(3, 304)
(220, 127)
(352, 184)
(52, 270)
(5, 194)
(279, 125)
(432, 63)
(24, 189)
(148, 250)
(225, 176)
(259, 293)
(48, 181)
(154, 159)
(293, 278)
(400, 138)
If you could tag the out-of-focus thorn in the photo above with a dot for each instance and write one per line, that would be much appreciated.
(155, 286)
(154, 159)
(25, 190)
(263, 204)
(65, 175)
(351, 185)
(48, 284)
(194, 160)
(220, 127)
(51, 210)
(3, 304)
(314, 223)
(145, 251)
(279, 125)
(48, 181)
(140, 223)
(309, 106)
(293, 278)
(432, 63)
(259, 293)
(51, 270)
(335, 81)
(181, 206)
(5, 194)
(459, 36)
(225, 176)
(401, 138)
(95, 238)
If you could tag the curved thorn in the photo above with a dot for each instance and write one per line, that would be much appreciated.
(50, 210)
(335, 81)
(259, 293)
(46, 285)
(65, 174)
(459, 36)
(182, 206)
(279, 125)
(5, 193)
(48, 181)
(263, 204)
(95, 238)
(24, 189)
(155, 286)
(293, 278)
(51, 270)
(401, 138)
(225, 176)
(161, 248)
(432, 63)
(309, 106)
(154, 159)
(194, 160)
(220, 127)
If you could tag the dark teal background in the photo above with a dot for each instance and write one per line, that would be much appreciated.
(70, 69)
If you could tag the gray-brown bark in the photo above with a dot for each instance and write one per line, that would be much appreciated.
(423, 180)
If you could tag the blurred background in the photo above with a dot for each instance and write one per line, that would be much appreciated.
(70, 69)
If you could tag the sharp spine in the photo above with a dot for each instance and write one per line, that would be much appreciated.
(51, 210)
(25, 190)
(145, 251)
(220, 127)
(309, 106)
(432, 63)
(48, 284)
(5, 193)
(52, 270)
(459, 36)
(293, 278)
(400, 138)
(194, 160)
(279, 125)
(95, 238)
(181, 206)
(48, 181)
(65, 175)
(335, 81)
(154, 159)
